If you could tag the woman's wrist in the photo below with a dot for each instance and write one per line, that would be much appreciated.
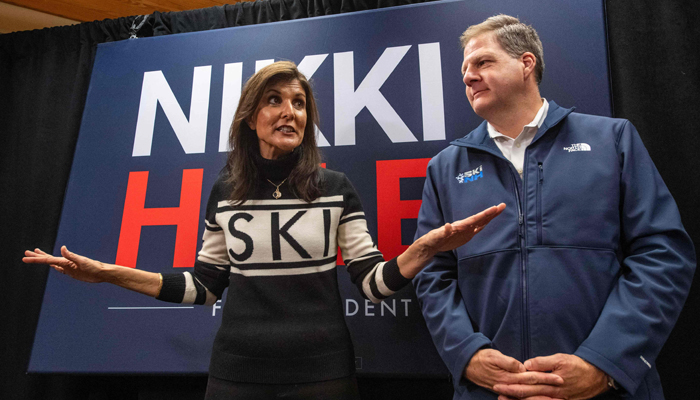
(412, 261)
(148, 283)
(107, 273)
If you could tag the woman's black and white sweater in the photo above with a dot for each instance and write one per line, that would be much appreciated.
(283, 319)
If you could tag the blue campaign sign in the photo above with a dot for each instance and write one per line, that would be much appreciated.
(153, 140)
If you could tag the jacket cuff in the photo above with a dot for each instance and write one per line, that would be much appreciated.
(392, 276)
(173, 290)
(602, 363)
(465, 356)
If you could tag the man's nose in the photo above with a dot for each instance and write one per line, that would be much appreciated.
(470, 77)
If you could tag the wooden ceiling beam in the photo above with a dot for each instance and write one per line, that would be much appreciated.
(91, 10)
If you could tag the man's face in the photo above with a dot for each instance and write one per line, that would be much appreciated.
(494, 79)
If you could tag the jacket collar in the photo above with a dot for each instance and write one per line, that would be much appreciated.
(479, 137)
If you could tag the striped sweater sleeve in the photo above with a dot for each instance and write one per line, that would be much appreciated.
(375, 278)
(206, 284)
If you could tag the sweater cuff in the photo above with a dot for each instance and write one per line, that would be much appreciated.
(392, 276)
(173, 289)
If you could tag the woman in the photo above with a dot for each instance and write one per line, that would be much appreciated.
(274, 220)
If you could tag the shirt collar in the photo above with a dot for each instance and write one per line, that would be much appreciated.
(535, 123)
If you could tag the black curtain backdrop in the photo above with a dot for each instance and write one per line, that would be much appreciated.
(44, 77)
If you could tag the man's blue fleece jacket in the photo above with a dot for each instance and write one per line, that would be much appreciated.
(589, 257)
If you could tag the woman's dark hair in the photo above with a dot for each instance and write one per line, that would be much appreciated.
(243, 173)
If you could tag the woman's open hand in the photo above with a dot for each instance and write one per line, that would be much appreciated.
(445, 238)
(455, 234)
(71, 264)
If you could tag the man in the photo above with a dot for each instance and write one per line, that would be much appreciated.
(572, 292)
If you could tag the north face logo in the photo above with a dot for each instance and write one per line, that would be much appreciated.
(578, 147)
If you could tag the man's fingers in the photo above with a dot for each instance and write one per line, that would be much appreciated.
(534, 378)
(509, 364)
(526, 391)
(548, 363)
(501, 397)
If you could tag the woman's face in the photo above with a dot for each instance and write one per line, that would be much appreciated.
(280, 119)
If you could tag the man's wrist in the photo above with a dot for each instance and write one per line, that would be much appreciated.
(612, 385)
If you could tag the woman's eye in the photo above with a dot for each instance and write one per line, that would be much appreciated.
(299, 104)
(274, 100)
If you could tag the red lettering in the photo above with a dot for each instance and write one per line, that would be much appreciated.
(185, 217)
(390, 208)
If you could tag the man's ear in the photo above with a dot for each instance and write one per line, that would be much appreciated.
(529, 61)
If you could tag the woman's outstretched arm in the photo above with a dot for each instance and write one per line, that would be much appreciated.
(93, 271)
(444, 238)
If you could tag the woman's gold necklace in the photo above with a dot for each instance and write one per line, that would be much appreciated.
(277, 194)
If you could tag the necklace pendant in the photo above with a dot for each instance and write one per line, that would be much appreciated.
(277, 194)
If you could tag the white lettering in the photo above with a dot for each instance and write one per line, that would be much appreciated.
(391, 309)
(386, 307)
(192, 133)
(260, 64)
(431, 91)
(368, 306)
(349, 102)
(347, 307)
(308, 67)
(233, 79)
(405, 302)
(215, 307)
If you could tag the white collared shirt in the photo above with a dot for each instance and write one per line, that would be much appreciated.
(514, 149)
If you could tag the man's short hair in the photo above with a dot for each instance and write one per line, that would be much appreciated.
(515, 37)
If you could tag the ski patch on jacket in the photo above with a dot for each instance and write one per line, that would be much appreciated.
(472, 175)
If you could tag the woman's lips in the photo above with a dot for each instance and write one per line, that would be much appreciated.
(286, 129)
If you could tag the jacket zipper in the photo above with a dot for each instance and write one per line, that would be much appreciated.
(523, 269)
(540, 182)
(522, 233)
